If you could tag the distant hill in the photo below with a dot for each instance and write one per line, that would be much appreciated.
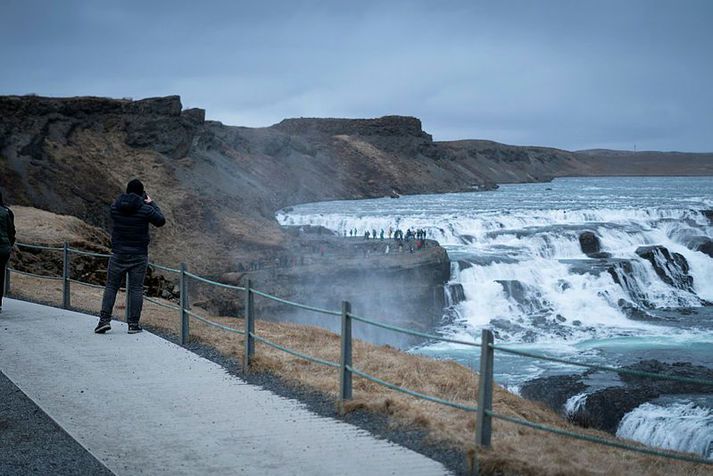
(622, 162)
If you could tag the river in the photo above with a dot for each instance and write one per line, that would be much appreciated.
(518, 268)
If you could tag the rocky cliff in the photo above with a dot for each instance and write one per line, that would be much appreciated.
(220, 185)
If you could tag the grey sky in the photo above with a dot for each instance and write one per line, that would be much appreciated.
(570, 74)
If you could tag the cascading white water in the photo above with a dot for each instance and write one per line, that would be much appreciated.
(516, 253)
(676, 426)
(535, 245)
(574, 403)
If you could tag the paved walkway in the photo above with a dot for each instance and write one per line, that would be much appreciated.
(142, 405)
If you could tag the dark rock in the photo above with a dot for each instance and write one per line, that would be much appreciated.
(455, 294)
(600, 255)
(382, 126)
(605, 407)
(194, 115)
(679, 369)
(635, 313)
(464, 265)
(589, 242)
(708, 214)
(672, 268)
(553, 391)
(702, 244)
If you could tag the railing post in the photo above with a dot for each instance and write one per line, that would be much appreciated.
(483, 423)
(249, 326)
(185, 330)
(66, 300)
(345, 375)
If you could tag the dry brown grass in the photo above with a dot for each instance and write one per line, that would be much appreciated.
(42, 227)
(515, 449)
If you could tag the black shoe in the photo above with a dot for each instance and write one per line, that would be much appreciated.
(103, 326)
(134, 329)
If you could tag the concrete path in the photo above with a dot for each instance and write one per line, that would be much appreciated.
(142, 405)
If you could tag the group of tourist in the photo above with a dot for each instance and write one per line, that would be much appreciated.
(398, 235)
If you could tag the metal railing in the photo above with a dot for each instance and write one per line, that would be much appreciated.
(484, 410)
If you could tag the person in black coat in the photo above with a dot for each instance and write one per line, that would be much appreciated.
(7, 242)
(131, 214)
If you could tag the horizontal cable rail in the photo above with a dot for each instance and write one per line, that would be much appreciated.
(39, 247)
(413, 333)
(163, 304)
(33, 275)
(164, 268)
(89, 253)
(212, 323)
(84, 283)
(413, 393)
(214, 283)
(595, 439)
(484, 408)
(310, 358)
(296, 304)
(636, 373)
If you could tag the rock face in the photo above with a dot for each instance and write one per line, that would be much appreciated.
(589, 242)
(455, 294)
(672, 268)
(605, 407)
(398, 287)
(702, 244)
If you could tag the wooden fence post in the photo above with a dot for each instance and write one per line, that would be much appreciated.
(345, 375)
(249, 326)
(483, 424)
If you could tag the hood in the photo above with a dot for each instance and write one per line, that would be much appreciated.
(128, 203)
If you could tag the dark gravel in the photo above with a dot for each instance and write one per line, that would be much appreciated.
(375, 423)
(32, 443)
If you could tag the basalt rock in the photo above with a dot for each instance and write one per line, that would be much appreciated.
(456, 294)
(702, 244)
(605, 407)
(553, 391)
(671, 267)
(589, 242)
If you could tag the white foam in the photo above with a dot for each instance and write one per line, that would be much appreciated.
(677, 426)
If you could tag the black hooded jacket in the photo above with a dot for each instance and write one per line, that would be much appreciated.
(131, 217)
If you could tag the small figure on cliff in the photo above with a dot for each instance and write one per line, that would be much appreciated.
(390, 232)
(366, 235)
(7, 242)
(382, 234)
(131, 214)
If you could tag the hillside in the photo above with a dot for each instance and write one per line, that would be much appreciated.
(220, 185)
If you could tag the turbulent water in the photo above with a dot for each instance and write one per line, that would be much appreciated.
(519, 269)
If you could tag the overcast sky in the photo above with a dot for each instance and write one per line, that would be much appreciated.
(570, 73)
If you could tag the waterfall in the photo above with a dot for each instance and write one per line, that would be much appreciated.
(677, 426)
(519, 267)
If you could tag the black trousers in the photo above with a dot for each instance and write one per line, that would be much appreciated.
(4, 258)
(133, 266)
